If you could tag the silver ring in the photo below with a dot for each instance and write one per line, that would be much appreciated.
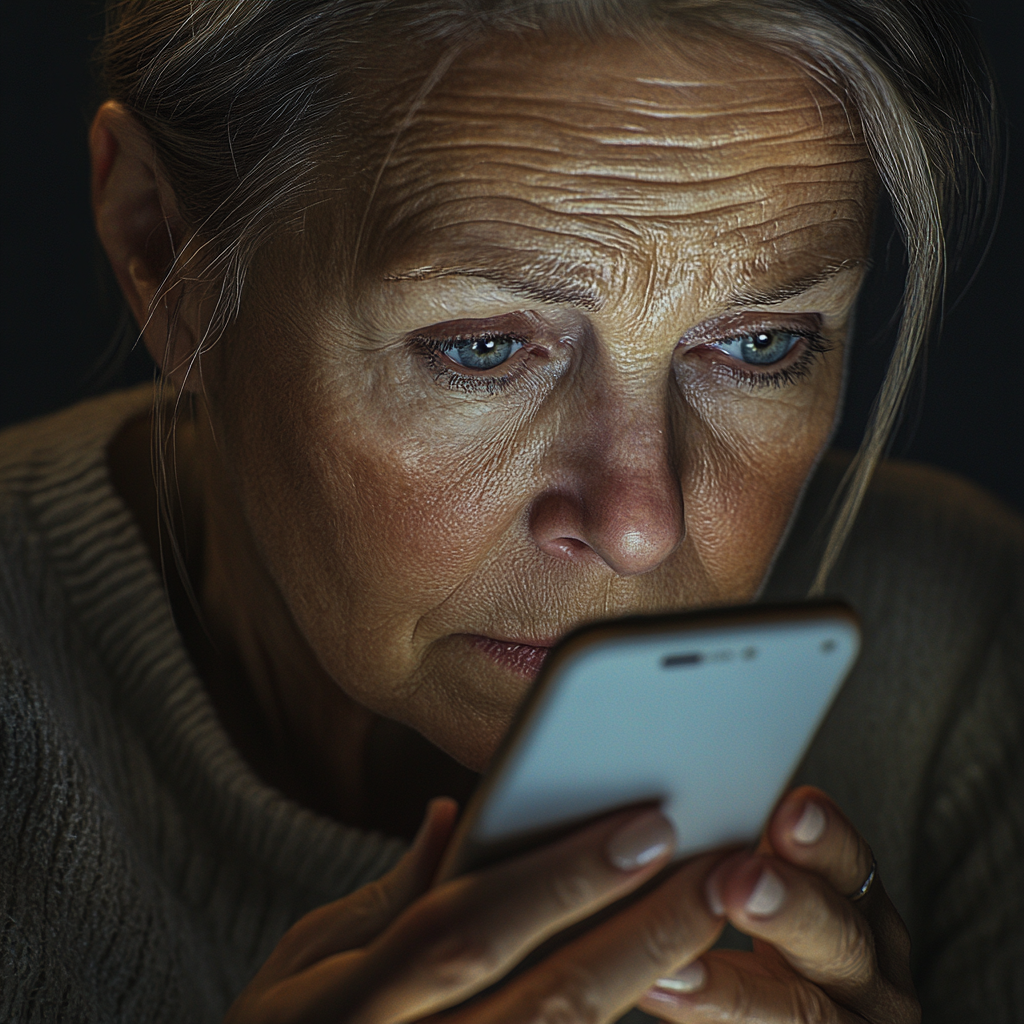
(866, 885)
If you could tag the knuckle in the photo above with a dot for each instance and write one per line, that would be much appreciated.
(569, 890)
(569, 1001)
(801, 1004)
(666, 933)
(458, 961)
(737, 1003)
(363, 910)
(810, 1005)
(853, 957)
(374, 902)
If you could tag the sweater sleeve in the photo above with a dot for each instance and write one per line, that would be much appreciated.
(969, 877)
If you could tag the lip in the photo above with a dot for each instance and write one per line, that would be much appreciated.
(526, 658)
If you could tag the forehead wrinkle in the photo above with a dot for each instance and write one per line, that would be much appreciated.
(520, 132)
(533, 109)
(600, 101)
(575, 179)
(610, 207)
(795, 76)
(481, 220)
(618, 89)
(787, 245)
(634, 215)
(471, 166)
(615, 244)
(551, 156)
(638, 214)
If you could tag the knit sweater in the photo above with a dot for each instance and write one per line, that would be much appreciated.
(146, 872)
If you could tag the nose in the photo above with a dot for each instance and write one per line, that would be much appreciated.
(617, 499)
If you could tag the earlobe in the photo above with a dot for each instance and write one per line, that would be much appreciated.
(139, 226)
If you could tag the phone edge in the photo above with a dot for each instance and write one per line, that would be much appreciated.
(457, 859)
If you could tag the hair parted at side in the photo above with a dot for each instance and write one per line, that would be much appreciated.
(248, 104)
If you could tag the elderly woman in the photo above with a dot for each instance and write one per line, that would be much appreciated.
(478, 321)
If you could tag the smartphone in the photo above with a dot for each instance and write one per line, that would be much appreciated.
(707, 714)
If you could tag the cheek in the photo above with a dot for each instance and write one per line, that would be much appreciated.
(369, 517)
(425, 513)
(747, 456)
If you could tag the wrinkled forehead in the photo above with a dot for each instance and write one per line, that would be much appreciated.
(615, 148)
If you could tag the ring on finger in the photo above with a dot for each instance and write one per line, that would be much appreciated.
(862, 890)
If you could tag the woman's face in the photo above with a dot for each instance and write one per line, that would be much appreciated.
(588, 365)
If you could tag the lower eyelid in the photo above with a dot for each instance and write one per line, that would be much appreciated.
(795, 364)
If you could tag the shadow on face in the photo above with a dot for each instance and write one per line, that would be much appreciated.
(592, 351)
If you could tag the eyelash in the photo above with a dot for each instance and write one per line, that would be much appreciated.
(814, 346)
(432, 347)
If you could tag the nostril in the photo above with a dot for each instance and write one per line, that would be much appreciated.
(567, 547)
(557, 527)
(631, 525)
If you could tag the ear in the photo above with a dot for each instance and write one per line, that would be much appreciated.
(139, 225)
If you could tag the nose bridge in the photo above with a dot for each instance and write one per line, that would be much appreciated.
(615, 493)
(632, 435)
(629, 473)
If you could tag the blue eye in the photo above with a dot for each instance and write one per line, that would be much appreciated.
(483, 353)
(759, 347)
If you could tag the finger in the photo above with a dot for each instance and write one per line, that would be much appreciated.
(727, 985)
(809, 830)
(600, 975)
(820, 934)
(469, 932)
(358, 918)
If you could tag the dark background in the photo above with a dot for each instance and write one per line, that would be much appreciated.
(64, 334)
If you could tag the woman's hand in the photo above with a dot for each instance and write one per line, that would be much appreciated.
(818, 955)
(397, 951)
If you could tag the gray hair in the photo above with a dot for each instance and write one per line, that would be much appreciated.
(248, 102)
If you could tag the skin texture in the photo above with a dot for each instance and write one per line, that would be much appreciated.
(358, 506)
(624, 467)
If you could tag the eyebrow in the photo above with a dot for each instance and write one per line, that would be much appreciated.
(773, 296)
(566, 292)
(571, 293)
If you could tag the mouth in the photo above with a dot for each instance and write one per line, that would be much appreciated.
(526, 658)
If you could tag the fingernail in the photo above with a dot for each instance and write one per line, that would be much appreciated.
(644, 839)
(688, 979)
(713, 896)
(808, 830)
(768, 895)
